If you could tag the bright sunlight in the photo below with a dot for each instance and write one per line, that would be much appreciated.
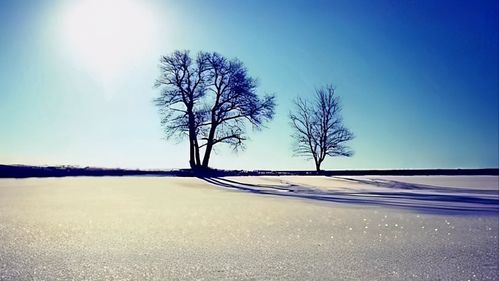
(108, 36)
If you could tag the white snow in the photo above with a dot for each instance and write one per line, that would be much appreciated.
(249, 228)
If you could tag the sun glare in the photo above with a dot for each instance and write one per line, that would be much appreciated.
(108, 36)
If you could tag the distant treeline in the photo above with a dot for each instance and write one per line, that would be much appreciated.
(22, 171)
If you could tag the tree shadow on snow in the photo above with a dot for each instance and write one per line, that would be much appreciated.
(388, 193)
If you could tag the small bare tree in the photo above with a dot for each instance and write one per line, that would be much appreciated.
(318, 127)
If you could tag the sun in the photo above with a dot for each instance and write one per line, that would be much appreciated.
(108, 36)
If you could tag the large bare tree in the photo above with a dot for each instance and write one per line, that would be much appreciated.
(211, 100)
(318, 129)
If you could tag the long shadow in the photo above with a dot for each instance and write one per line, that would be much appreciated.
(415, 186)
(466, 202)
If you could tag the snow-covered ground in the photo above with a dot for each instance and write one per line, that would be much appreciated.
(249, 228)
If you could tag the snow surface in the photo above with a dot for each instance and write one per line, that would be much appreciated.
(249, 228)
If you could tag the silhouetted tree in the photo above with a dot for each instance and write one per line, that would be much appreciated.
(318, 127)
(211, 100)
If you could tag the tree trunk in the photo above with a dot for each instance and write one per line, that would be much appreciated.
(191, 154)
(196, 152)
(207, 155)
(193, 147)
(209, 146)
(318, 166)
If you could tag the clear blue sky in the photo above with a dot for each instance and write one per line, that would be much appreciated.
(418, 79)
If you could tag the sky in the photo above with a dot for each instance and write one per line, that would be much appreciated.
(418, 79)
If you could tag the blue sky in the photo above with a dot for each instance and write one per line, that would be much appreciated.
(418, 79)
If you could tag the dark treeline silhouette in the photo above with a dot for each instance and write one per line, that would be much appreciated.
(23, 171)
(210, 100)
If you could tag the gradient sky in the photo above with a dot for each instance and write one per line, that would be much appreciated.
(418, 79)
